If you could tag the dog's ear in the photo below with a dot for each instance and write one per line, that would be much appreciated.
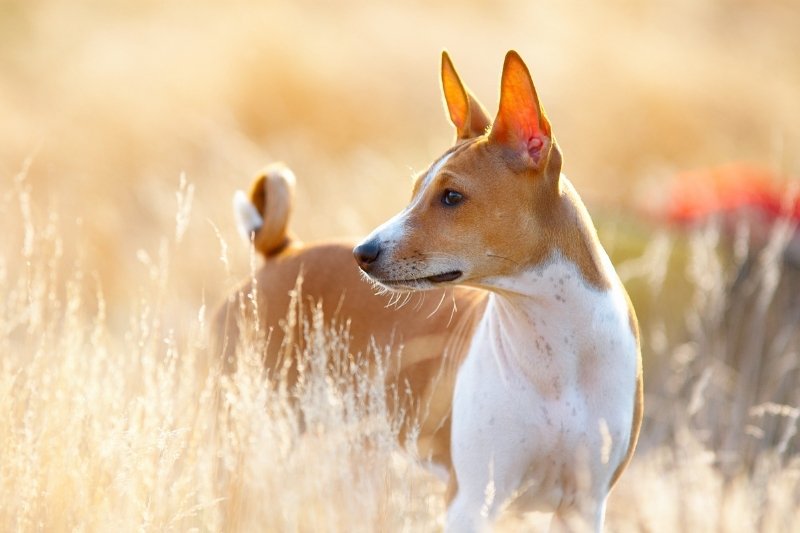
(466, 113)
(521, 124)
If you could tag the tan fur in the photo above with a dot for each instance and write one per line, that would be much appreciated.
(466, 113)
(528, 228)
(428, 338)
(638, 400)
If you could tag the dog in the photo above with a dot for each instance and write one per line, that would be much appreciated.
(532, 390)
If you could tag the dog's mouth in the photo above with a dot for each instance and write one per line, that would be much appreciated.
(444, 277)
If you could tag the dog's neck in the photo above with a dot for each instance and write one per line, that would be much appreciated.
(541, 323)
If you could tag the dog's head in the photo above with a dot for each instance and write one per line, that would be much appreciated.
(485, 208)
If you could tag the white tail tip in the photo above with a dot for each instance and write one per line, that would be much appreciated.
(248, 219)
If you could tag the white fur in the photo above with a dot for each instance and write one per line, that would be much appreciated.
(248, 219)
(543, 403)
(392, 230)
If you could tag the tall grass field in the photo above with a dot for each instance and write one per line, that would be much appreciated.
(125, 128)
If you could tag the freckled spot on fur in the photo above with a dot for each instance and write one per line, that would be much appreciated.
(557, 386)
(546, 415)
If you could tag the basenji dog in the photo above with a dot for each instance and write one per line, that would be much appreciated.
(528, 383)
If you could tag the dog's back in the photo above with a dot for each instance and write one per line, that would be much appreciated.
(428, 334)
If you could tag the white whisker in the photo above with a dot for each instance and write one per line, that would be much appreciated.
(444, 293)
(455, 308)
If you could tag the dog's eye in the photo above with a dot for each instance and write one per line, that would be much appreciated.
(451, 198)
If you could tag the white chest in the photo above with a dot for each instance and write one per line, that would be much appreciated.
(544, 400)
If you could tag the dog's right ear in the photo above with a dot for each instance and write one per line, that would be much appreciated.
(466, 113)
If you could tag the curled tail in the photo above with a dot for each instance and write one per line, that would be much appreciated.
(263, 215)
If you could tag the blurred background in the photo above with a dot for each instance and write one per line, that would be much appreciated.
(112, 101)
(670, 114)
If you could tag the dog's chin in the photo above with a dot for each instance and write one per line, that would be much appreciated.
(418, 284)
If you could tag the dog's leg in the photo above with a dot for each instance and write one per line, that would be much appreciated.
(469, 513)
(586, 517)
(485, 481)
(484, 489)
(460, 518)
(488, 470)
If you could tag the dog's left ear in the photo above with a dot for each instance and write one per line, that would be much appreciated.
(521, 124)
(466, 113)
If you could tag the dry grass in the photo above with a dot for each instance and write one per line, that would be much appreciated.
(114, 415)
(137, 428)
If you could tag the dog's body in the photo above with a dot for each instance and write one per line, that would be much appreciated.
(427, 338)
(539, 368)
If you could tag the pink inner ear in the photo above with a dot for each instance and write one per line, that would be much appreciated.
(535, 145)
(518, 126)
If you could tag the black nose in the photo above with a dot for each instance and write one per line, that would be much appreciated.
(366, 253)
